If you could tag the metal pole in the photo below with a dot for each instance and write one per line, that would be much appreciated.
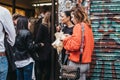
(13, 6)
(52, 37)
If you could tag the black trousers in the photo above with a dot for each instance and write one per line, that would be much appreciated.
(11, 75)
(42, 70)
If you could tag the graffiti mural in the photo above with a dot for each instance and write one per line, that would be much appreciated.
(68, 4)
(65, 5)
(105, 18)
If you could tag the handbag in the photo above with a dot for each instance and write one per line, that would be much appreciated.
(71, 72)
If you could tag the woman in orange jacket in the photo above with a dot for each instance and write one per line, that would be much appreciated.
(73, 42)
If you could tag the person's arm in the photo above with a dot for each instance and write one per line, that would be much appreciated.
(9, 27)
(72, 43)
(39, 34)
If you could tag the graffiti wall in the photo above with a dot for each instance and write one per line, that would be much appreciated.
(105, 21)
(105, 17)
(68, 4)
(65, 5)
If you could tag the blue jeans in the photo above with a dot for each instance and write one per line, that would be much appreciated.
(25, 73)
(3, 67)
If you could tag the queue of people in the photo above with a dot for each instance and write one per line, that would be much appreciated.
(25, 57)
(31, 50)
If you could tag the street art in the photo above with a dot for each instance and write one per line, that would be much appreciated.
(65, 5)
(105, 19)
(105, 22)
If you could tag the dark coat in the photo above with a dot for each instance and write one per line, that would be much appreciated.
(36, 27)
(9, 53)
(23, 45)
(43, 36)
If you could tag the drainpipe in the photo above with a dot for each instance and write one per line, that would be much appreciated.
(52, 37)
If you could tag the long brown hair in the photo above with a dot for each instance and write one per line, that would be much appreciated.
(46, 19)
(80, 15)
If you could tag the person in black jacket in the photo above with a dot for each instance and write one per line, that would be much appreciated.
(66, 26)
(42, 65)
(44, 10)
(23, 50)
(67, 29)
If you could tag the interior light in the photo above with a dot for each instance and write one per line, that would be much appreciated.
(42, 4)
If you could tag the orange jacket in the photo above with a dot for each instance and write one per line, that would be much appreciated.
(72, 44)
